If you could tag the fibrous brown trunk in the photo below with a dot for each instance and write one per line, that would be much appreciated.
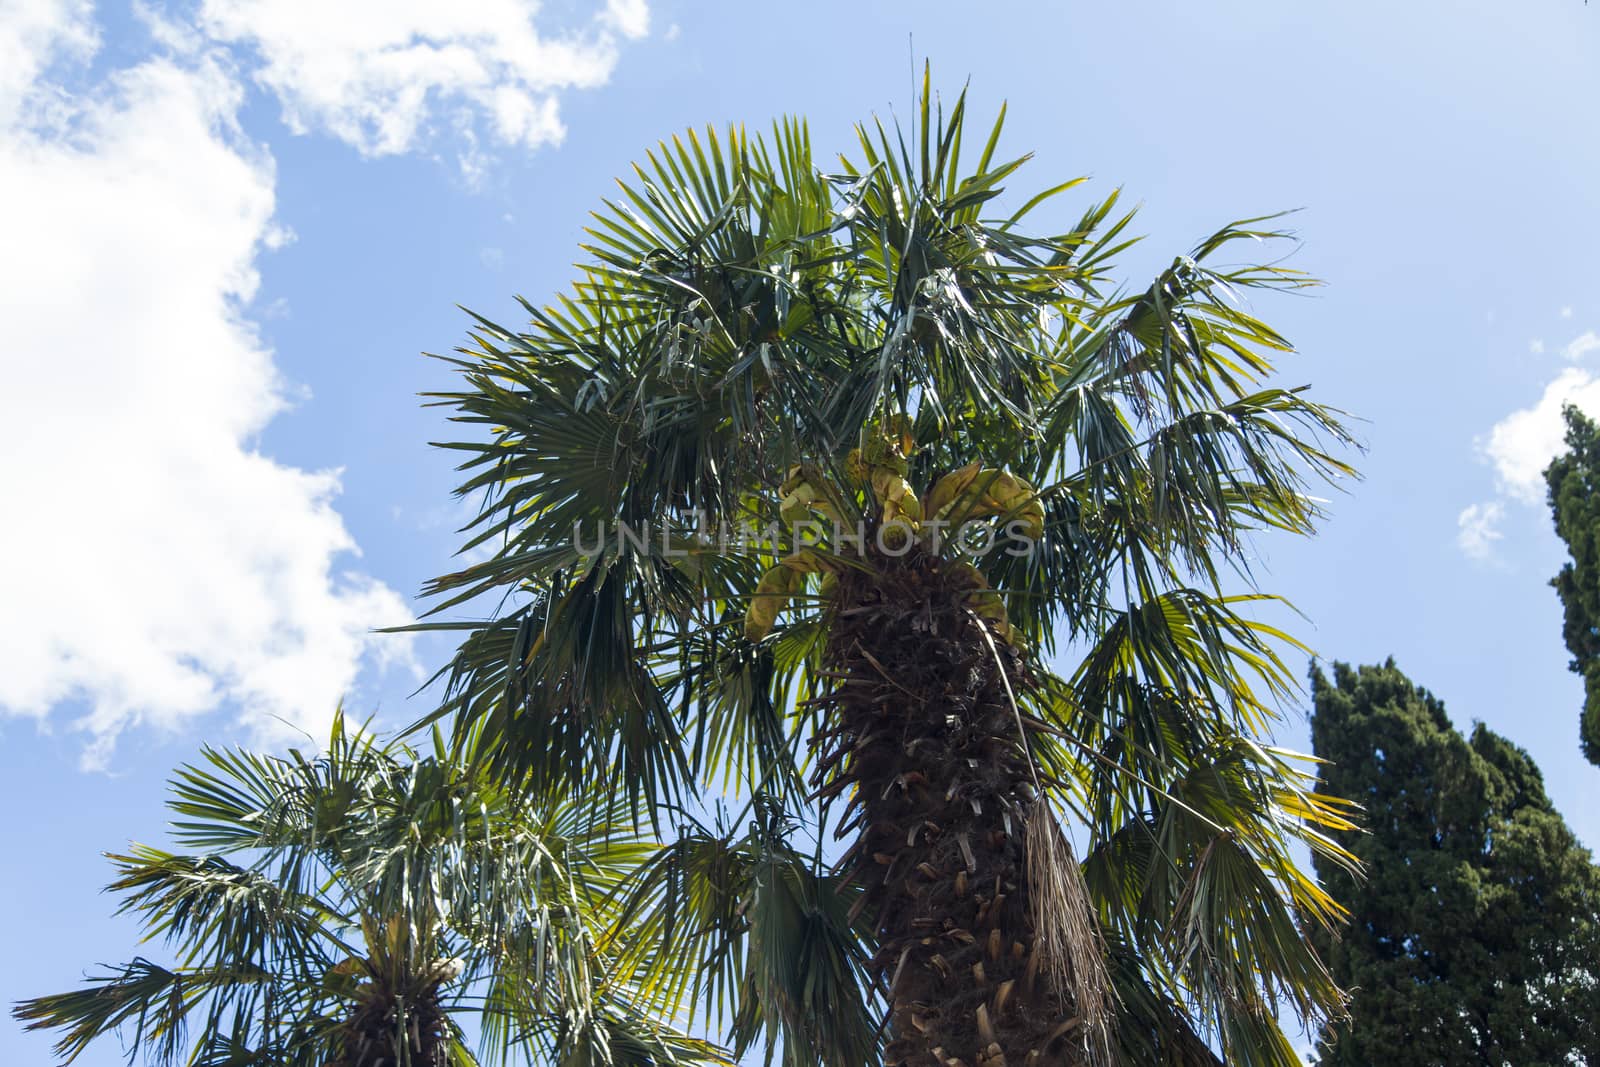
(384, 1032)
(925, 750)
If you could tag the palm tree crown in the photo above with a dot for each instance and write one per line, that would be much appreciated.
(349, 910)
(880, 348)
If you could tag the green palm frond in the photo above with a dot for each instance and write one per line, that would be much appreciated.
(744, 313)
(372, 867)
(747, 925)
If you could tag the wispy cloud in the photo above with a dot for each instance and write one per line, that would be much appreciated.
(382, 75)
(33, 35)
(1581, 345)
(1520, 446)
(1478, 528)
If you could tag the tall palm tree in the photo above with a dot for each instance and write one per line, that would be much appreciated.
(887, 355)
(349, 910)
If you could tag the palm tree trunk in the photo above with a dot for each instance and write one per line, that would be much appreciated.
(385, 1031)
(926, 744)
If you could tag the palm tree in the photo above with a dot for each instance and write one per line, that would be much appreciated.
(346, 910)
(886, 355)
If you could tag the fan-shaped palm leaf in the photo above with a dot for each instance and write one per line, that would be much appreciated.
(352, 908)
(746, 327)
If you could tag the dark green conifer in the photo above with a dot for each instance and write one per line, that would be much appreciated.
(1573, 479)
(1474, 936)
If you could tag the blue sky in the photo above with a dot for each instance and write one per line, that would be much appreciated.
(229, 228)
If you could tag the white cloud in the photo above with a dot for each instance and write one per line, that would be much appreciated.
(1520, 446)
(156, 565)
(1536, 347)
(1566, 312)
(33, 35)
(380, 73)
(630, 17)
(1582, 345)
(1523, 443)
(1477, 529)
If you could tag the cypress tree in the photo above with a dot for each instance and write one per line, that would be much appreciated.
(1572, 480)
(1474, 936)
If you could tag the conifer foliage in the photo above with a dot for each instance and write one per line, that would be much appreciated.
(1474, 936)
(1572, 479)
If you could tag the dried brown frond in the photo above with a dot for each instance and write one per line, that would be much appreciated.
(1067, 938)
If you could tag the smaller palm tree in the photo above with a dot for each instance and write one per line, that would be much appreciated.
(349, 910)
